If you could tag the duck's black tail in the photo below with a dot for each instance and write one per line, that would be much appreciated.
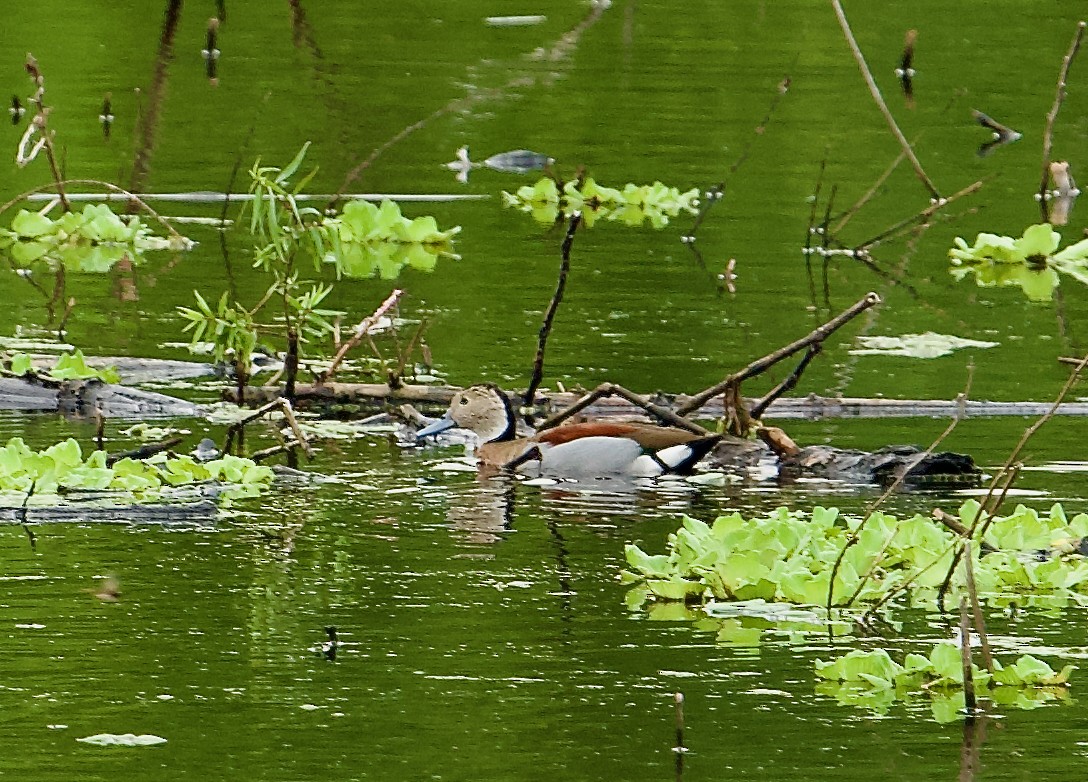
(681, 459)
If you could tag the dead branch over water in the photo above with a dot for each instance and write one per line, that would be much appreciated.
(761, 365)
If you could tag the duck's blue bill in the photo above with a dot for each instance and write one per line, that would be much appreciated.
(441, 425)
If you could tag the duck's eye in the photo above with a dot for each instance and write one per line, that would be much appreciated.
(464, 401)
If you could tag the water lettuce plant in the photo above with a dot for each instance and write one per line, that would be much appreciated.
(68, 366)
(380, 241)
(89, 241)
(1031, 262)
(61, 467)
(874, 680)
(633, 205)
(787, 556)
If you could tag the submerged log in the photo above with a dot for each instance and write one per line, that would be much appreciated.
(90, 397)
(190, 514)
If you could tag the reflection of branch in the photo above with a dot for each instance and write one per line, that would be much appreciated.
(1052, 115)
(559, 50)
(921, 217)
(875, 92)
(762, 364)
(714, 194)
(149, 120)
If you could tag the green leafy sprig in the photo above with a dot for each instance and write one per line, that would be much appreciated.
(1031, 262)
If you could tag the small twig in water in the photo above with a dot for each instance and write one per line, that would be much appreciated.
(1052, 116)
(361, 330)
(965, 654)
(549, 316)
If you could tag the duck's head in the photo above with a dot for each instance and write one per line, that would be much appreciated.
(483, 409)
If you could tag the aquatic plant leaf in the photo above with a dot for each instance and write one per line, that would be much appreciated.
(26, 253)
(31, 225)
(674, 588)
(946, 661)
(122, 740)
(656, 565)
(73, 366)
(633, 205)
(856, 665)
(1074, 253)
(21, 364)
(925, 345)
(1038, 241)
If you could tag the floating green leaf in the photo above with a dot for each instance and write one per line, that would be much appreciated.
(788, 556)
(93, 240)
(1031, 262)
(868, 678)
(62, 466)
(633, 205)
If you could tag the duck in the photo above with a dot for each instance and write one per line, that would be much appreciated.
(595, 449)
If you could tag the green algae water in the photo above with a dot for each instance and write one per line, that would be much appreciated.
(483, 632)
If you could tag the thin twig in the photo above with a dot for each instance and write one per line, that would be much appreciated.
(969, 701)
(1009, 472)
(97, 183)
(714, 194)
(553, 306)
(760, 407)
(976, 608)
(875, 92)
(1052, 116)
(662, 414)
(867, 196)
(361, 331)
(40, 121)
(920, 217)
(143, 451)
(288, 413)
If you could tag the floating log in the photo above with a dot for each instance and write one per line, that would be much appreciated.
(376, 395)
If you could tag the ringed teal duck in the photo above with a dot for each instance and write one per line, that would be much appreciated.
(576, 450)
